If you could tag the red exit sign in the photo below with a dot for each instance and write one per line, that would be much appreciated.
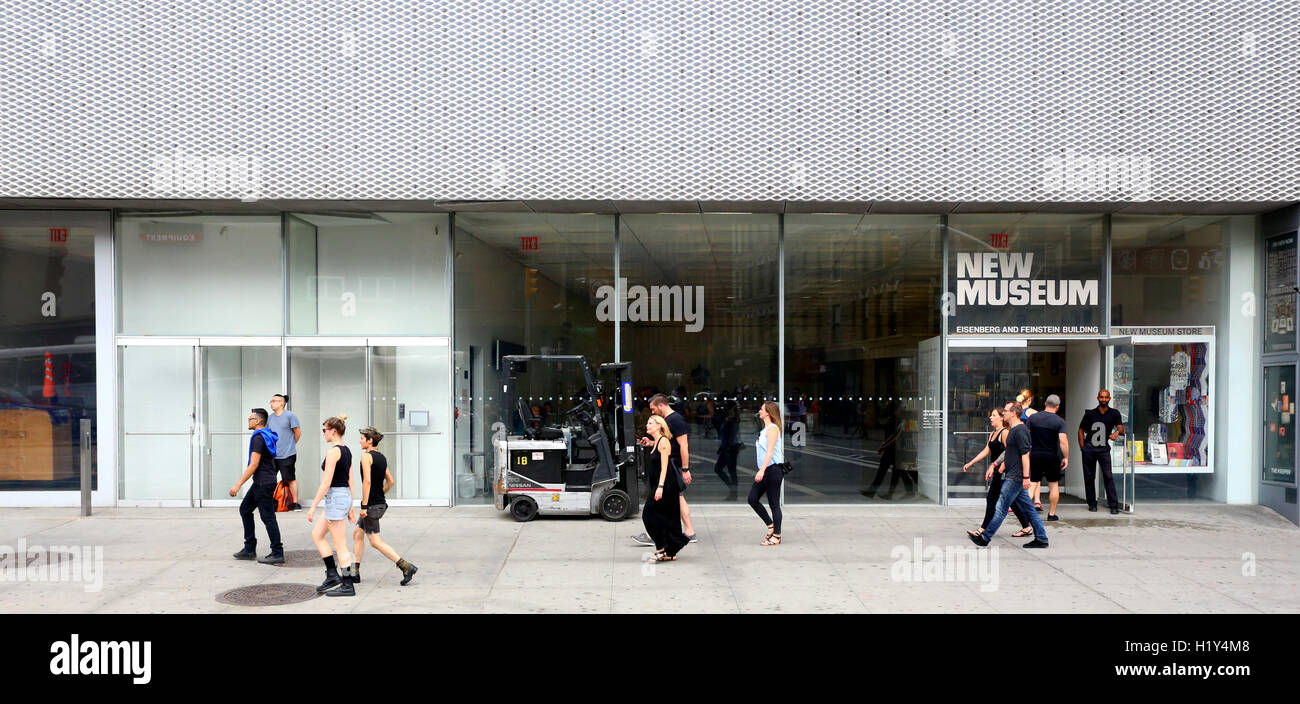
(58, 234)
(1000, 240)
(529, 244)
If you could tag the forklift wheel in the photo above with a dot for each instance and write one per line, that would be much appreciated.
(523, 509)
(615, 505)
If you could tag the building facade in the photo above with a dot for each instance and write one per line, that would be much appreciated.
(889, 218)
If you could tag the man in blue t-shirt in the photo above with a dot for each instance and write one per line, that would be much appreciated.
(285, 426)
(1015, 482)
(261, 495)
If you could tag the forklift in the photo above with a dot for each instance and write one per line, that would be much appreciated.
(586, 465)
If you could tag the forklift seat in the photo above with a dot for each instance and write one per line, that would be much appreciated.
(532, 429)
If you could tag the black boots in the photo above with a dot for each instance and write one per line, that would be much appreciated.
(248, 553)
(356, 573)
(408, 571)
(275, 558)
(332, 579)
(345, 587)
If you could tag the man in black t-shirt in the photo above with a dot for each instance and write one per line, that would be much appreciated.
(1098, 427)
(261, 495)
(1050, 454)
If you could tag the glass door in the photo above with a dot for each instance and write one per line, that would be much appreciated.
(327, 377)
(410, 403)
(1123, 454)
(159, 424)
(236, 375)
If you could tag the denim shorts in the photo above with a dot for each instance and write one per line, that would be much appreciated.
(337, 502)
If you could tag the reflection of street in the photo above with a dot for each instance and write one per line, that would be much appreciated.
(835, 466)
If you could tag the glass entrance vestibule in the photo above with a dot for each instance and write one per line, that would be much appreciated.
(185, 403)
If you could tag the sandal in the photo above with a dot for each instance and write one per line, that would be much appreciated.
(655, 557)
(772, 539)
(1023, 532)
(976, 533)
(663, 557)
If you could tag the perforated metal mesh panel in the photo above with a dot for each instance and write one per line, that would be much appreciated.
(691, 99)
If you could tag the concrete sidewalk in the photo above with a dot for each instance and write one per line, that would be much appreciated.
(1184, 559)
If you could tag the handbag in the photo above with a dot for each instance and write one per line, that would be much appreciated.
(786, 467)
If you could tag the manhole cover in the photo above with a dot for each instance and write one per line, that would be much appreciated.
(268, 595)
(302, 558)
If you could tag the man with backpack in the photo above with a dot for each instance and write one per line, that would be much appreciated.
(261, 495)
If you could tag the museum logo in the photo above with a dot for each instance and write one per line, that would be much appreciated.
(1002, 278)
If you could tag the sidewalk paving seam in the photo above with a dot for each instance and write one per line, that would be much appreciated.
(847, 584)
(519, 530)
(723, 564)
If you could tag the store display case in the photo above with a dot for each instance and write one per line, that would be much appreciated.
(1161, 384)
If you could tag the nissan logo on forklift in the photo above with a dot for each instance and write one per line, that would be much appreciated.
(587, 464)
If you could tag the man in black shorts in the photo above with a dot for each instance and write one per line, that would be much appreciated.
(1099, 426)
(261, 495)
(1050, 451)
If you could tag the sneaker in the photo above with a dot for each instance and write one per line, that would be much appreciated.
(1092, 508)
(246, 554)
(1053, 517)
(272, 559)
(692, 538)
(1038, 507)
(297, 506)
(1035, 543)
(1114, 511)
(331, 581)
(643, 539)
(407, 574)
(344, 589)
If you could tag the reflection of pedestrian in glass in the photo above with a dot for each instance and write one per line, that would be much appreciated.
(728, 446)
(889, 458)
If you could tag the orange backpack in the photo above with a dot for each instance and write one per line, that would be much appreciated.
(283, 497)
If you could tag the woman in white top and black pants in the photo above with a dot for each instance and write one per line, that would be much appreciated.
(769, 477)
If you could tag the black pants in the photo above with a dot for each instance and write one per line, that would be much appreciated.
(726, 466)
(991, 503)
(888, 461)
(1090, 462)
(771, 485)
(261, 497)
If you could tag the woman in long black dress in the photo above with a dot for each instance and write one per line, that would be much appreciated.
(662, 515)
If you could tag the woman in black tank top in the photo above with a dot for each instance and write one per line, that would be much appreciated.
(336, 491)
(376, 481)
(997, 443)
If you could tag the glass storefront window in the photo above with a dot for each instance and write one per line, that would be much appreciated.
(1279, 424)
(1168, 270)
(368, 273)
(200, 275)
(47, 352)
(861, 297)
(701, 327)
(526, 283)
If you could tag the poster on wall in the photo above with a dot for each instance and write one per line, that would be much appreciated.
(1025, 284)
(1280, 293)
